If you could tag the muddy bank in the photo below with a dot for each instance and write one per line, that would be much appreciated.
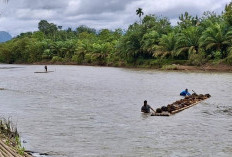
(178, 67)
(216, 68)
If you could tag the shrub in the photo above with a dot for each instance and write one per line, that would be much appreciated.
(77, 59)
(169, 67)
(197, 59)
(56, 59)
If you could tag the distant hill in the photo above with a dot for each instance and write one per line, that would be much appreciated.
(4, 36)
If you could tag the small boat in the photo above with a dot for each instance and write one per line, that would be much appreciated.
(43, 71)
(180, 105)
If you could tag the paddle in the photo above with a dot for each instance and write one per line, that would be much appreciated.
(152, 109)
(194, 92)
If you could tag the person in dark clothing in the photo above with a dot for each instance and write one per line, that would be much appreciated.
(146, 108)
(46, 68)
(185, 93)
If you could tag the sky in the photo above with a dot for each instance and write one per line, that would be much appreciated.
(19, 16)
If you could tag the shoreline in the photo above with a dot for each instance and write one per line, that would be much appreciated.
(169, 67)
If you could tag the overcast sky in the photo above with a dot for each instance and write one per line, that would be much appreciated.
(23, 15)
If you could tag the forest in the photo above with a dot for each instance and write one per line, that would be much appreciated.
(150, 42)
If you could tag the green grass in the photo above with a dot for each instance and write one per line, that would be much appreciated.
(169, 67)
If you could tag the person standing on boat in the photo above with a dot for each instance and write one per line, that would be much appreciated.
(185, 93)
(46, 68)
(146, 108)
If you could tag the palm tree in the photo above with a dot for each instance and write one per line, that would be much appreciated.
(187, 42)
(82, 48)
(166, 46)
(149, 41)
(217, 37)
(139, 12)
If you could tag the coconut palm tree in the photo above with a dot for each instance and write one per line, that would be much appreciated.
(139, 12)
(217, 37)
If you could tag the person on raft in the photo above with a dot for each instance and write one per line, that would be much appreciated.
(146, 108)
(185, 93)
(46, 68)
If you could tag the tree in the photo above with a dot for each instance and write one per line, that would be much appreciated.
(166, 46)
(130, 45)
(187, 20)
(149, 41)
(84, 28)
(227, 14)
(139, 12)
(59, 27)
(217, 37)
(47, 28)
(187, 42)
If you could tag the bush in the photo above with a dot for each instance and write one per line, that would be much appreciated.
(169, 67)
(197, 59)
(77, 59)
(228, 60)
(217, 55)
(88, 58)
(56, 59)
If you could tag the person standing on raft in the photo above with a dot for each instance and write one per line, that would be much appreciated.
(146, 108)
(46, 68)
(185, 93)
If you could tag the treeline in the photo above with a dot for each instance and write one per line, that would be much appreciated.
(151, 42)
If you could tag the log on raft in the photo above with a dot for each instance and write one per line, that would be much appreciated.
(180, 105)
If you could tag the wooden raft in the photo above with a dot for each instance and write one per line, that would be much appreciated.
(180, 105)
(43, 71)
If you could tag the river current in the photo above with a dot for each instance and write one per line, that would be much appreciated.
(84, 111)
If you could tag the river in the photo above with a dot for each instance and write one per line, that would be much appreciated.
(89, 111)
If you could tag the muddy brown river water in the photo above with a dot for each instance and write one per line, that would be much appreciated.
(83, 111)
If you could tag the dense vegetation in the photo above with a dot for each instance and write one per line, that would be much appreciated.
(151, 42)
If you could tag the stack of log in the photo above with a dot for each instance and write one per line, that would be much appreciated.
(180, 105)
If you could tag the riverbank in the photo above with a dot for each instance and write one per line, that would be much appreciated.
(174, 67)
(207, 67)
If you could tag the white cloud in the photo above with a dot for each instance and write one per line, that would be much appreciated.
(24, 15)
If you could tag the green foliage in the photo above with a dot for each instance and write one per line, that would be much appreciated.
(228, 60)
(169, 67)
(187, 20)
(217, 55)
(149, 41)
(227, 14)
(152, 42)
(56, 59)
(187, 42)
(197, 59)
(217, 37)
(47, 28)
(86, 29)
(166, 46)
